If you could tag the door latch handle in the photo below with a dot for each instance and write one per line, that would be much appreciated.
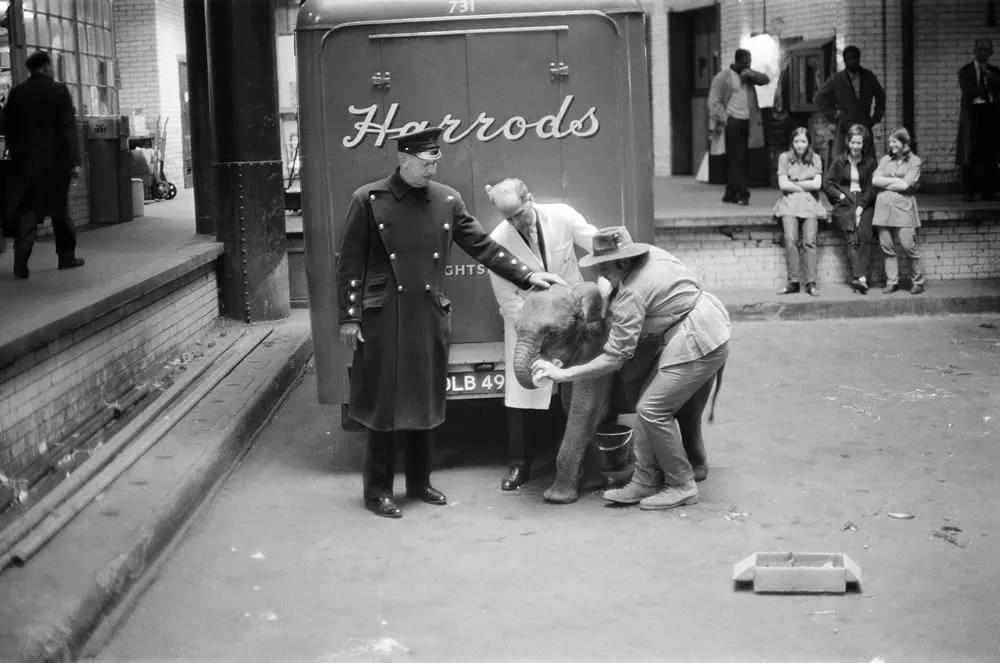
(558, 70)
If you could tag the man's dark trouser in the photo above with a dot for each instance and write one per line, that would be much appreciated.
(526, 429)
(737, 153)
(379, 464)
(983, 156)
(859, 244)
(27, 232)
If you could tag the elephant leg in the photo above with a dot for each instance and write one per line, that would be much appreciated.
(689, 422)
(588, 405)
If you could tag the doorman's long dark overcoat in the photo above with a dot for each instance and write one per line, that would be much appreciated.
(390, 275)
(40, 126)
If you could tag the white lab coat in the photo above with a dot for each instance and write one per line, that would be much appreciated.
(562, 229)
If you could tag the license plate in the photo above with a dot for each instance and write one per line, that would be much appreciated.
(474, 384)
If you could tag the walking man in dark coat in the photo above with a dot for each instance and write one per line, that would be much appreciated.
(394, 314)
(978, 134)
(852, 96)
(40, 127)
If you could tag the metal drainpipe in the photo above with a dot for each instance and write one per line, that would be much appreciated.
(909, 120)
(885, 68)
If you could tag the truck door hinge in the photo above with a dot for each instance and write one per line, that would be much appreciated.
(382, 80)
(558, 70)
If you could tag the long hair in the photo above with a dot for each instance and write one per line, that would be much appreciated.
(903, 136)
(807, 156)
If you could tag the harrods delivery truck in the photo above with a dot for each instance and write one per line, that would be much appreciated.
(550, 91)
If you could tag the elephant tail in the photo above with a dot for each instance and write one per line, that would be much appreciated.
(718, 386)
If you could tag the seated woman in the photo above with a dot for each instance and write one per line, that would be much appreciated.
(897, 179)
(800, 177)
(848, 186)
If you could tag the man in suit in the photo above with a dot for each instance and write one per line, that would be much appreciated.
(978, 134)
(394, 314)
(733, 109)
(543, 237)
(40, 127)
(852, 96)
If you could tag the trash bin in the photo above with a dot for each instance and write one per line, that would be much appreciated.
(138, 194)
(109, 167)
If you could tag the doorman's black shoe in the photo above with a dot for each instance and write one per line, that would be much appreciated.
(790, 289)
(429, 495)
(383, 506)
(812, 289)
(516, 476)
(71, 262)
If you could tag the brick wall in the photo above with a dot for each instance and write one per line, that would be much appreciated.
(170, 50)
(751, 257)
(149, 36)
(45, 395)
(944, 33)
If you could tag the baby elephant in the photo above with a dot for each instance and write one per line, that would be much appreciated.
(567, 326)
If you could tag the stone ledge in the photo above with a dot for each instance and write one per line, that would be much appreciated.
(64, 322)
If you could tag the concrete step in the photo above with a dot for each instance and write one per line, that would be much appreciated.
(839, 300)
(53, 604)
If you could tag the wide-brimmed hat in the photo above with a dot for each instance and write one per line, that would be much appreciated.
(613, 243)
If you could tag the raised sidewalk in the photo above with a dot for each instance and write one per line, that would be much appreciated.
(53, 604)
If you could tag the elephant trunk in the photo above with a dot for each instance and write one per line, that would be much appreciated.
(525, 354)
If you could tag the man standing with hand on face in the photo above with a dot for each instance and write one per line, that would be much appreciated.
(733, 108)
(544, 237)
(394, 314)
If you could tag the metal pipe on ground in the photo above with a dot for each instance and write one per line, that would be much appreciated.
(48, 461)
(24, 549)
(31, 519)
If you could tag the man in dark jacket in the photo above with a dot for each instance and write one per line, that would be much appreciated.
(978, 135)
(395, 316)
(40, 127)
(848, 97)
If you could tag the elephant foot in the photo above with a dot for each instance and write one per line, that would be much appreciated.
(700, 471)
(560, 495)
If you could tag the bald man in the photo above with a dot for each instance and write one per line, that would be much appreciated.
(544, 237)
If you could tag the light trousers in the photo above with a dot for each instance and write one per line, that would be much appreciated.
(800, 247)
(661, 458)
(907, 238)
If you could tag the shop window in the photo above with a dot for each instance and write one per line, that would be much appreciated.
(78, 36)
(810, 64)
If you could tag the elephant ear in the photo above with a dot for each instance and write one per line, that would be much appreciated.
(590, 305)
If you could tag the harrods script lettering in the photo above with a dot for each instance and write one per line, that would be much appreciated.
(484, 127)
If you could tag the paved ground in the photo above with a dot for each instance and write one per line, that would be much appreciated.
(823, 428)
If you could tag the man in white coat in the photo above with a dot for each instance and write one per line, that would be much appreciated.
(543, 237)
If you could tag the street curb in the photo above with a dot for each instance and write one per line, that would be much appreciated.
(885, 306)
(61, 637)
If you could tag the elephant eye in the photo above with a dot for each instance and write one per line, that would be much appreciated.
(551, 333)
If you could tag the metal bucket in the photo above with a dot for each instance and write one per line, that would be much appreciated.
(613, 441)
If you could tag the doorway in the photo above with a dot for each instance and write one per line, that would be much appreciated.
(695, 45)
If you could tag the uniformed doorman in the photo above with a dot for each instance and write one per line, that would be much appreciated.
(394, 314)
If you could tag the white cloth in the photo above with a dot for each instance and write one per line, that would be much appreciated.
(563, 228)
